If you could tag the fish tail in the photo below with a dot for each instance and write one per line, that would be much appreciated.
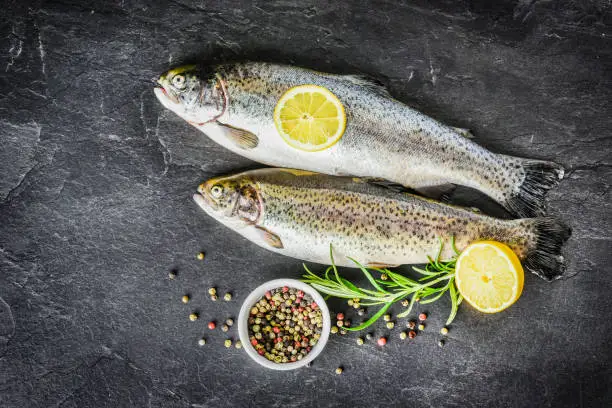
(527, 199)
(545, 259)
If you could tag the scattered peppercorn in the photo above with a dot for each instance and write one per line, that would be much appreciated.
(214, 298)
(421, 327)
(238, 344)
(171, 275)
(193, 317)
(334, 329)
(405, 302)
(360, 341)
(422, 317)
(403, 335)
(382, 341)
(412, 334)
(441, 343)
(185, 298)
(444, 331)
(411, 324)
(390, 325)
(361, 312)
(347, 323)
(212, 291)
(356, 305)
(202, 341)
(368, 336)
(387, 317)
(343, 332)
(340, 323)
(384, 276)
(229, 322)
(225, 328)
(339, 370)
(228, 343)
(227, 297)
(350, 302)
(212, 325)
(340, 316)
(201, 256)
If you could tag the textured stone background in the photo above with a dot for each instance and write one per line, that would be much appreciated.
(96, 182)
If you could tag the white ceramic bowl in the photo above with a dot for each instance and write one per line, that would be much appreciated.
(258, 293)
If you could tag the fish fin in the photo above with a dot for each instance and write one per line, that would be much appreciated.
(528, 199)
(545, 260)
(464, 132)
(381, 265)
(371, 84)
(270, 238)
(298, 172)
(441, 192)
(242, 138)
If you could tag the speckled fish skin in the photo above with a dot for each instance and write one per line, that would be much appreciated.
(383, 139)
(306, 212)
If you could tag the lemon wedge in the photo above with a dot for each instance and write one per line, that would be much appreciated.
(310, 118)
(489, 276)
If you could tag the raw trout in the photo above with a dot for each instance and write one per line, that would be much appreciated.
(233, 104)
(299, 214)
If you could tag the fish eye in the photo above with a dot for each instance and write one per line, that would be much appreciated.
(178, 81)
(216, 191)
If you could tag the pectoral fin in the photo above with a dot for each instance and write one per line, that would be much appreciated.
(381, 265)
(464, 132)
(242, 138)
(270, 238)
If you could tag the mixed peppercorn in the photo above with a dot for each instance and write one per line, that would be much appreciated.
(284, 325)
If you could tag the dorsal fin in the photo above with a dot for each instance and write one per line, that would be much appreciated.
(372, 84)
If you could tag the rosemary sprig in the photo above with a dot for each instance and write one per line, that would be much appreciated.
(437, 278)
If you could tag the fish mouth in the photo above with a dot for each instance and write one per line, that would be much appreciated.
(164, 96)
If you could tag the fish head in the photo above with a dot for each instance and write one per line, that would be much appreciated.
(192, 93)
(231, 200)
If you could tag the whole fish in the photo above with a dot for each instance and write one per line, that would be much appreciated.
(233, 104)
(300, 214)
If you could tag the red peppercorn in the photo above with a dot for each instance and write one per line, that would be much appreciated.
(285, 289)
(308, 349)
(276, 330)
(422, 317)
(382, 341)
(412, 334)
(300, 294)
(261, 352)
(340, 316)
(268, 295)
(212, 325)
(272, 303)
(300, 309)
(313, 305)
(254, 342)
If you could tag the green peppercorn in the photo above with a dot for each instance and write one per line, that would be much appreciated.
(387, 317)
(202, 341)
(225, 328)
(384, 276)
(228, 343)
(185, 299)
(201, 256)
(229, 322)
(339, 370)
(212, 291)
(444, 331)
(390, 325)
(193, 317)
(227, 297)
(421, 326)
(334, 329)
(369, 336)
(238, 344)
(360, 341)
(403, 335)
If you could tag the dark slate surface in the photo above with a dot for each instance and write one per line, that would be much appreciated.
(95, 201)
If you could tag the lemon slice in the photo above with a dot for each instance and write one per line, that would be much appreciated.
(310, 118)
(489, 276)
